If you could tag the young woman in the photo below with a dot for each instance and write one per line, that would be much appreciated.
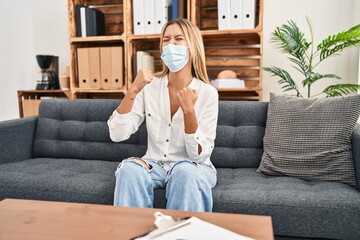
(181, 111)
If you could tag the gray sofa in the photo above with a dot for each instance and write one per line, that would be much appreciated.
(65, 154)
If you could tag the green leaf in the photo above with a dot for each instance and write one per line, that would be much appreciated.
(291, 40)
(313, 77)
(285, 80)
(336, 43)
(341, 89)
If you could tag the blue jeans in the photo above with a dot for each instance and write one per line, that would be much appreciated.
(188, 185)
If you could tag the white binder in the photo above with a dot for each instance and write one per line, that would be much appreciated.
(236, 9)
(138, 17)
(149, 10)
(161, 14)
(248, 16)
(224, 14)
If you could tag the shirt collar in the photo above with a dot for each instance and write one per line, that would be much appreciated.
(194, 84)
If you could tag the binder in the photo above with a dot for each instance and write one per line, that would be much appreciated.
(78, 20)
(94, 67)
(149, 15)
(83, 67)
(95, 23)
(175, 9)
(117, 75)
(236, 10)
(161, 14)
(248, 15)
(148, 62)
(144, 60)
(89, 22)
(105, 68)
(138, 17)
(223, 14)
(139, 61)
(83, 21)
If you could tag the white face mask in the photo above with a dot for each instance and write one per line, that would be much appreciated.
(175, 57)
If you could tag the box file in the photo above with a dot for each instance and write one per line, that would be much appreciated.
(236, 10)
(224, 14)
(83, 67)
(105, 67)
(161, 14)
(94, 67)
(138, 17)
(117, 75)
(248, 15)
(149, 15)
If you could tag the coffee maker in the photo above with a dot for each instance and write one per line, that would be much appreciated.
(48, 78)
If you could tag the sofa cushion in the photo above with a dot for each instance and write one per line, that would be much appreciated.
(310, 138)
(297, 207)
(68, 180)
(239, 134)
(79, 130)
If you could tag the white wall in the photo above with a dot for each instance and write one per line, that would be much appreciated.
(28, 28)
(40, 27)
(328, 17)
(17, 63)
(50, 24)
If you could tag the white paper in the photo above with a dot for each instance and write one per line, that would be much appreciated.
(197, 229)
(228, 83)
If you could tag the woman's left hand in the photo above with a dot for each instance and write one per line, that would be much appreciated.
(187, 98)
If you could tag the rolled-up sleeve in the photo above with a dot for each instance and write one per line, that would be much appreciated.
(205, 133)
(121, 126)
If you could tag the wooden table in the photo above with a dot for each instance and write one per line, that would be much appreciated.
(27, 219)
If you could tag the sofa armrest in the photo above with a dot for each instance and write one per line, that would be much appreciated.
(356, 153)
(16, 139)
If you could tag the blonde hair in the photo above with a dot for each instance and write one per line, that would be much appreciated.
(196, 47)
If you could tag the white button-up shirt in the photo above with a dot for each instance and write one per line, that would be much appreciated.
(167, 140)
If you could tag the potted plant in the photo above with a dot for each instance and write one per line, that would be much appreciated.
(306, 57)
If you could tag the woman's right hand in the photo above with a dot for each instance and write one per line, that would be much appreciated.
(143, 77)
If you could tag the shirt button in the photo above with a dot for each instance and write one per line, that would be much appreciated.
(169, 124)
(149, 114)
(197, 138)
(164, 155)
(167, 140)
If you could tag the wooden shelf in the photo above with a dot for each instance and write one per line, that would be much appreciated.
(245, 89)
(231, 32)
(239, 50)
(97, 39)
(29, 100)
(79, 90)
(98, 93)
(144, 36)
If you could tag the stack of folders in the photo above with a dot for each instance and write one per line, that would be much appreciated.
(100, 68)
(236, 14)
(89, 21)
(151, 15)
(144, 60)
